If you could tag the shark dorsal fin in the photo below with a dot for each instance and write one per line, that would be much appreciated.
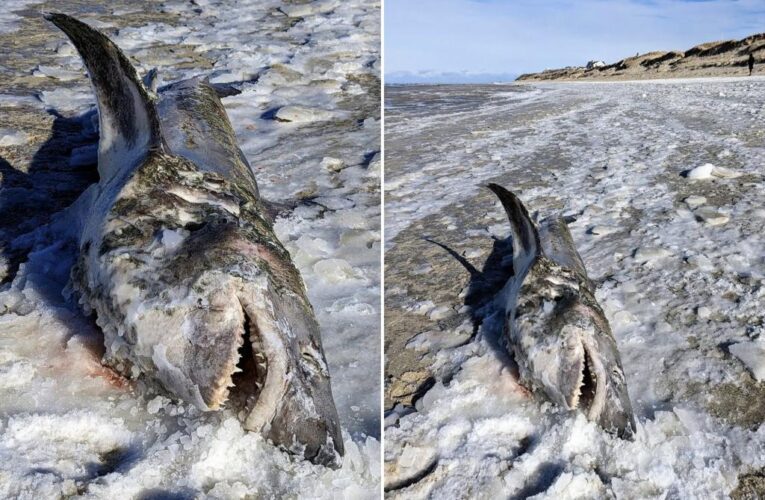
(128, 121)
(526, 245)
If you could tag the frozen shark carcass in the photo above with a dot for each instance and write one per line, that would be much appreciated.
(180, 263)
(554, 326)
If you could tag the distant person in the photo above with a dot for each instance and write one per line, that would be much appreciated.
(751, 63)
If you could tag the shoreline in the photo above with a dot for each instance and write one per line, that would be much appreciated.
(673, 79)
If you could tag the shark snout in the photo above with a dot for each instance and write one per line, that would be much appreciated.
(295, 408)
(307, 430)
(590, 376)
(264, 359)
(253, 349)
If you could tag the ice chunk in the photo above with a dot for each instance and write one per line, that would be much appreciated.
(441, 312)
(351, 305)
(303, 114)
(307, 9)
(651, 254)
(435, 340)
(709, 171)
(335, 270)
(172, 239)
(694, 201)
(752, 354)
(710, 216)
(13, 138)
(55, 72)
(311, 249)
(156, 404)
(473, 253)
(16, 374)
(332, 164)
(412, 462)
(603, 230)
(704, 312)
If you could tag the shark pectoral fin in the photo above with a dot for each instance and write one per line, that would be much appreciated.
(128, 120)
(150, 80)
(525, 236)
(224, 89)
(276, 209)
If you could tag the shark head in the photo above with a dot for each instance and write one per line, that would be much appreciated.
(193, 289)
(568, 348)
(558, 333)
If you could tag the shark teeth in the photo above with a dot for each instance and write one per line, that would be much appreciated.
(247, 371)
(589, 382)
(585, 385)
(574, 403)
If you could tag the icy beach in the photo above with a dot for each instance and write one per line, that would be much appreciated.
(665, 182)
(307, 119)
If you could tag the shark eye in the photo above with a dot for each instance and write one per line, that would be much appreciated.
(310, 359)
(312, 365)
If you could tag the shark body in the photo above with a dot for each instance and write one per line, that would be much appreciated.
(180, 264)
(554, 326)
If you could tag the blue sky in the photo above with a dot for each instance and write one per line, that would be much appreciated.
(489, 40)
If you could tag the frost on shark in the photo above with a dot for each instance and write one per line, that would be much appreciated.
(190, 280)
(661, 188)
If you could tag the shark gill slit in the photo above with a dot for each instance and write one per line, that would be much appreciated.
(250, 372)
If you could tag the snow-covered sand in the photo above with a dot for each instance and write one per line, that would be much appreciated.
(66, 426)
(678, 260)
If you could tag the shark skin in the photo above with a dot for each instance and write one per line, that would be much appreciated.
(180, 264)
(554, 326)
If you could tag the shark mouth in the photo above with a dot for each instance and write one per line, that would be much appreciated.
(263, 383)
(253, 380)
(249, 375)
(589, 391)
(588, 383)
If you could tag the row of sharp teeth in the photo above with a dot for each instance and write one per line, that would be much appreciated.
(593, 381)
(260, 363)
(582, 382)
(575, 402)
(259, 385)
